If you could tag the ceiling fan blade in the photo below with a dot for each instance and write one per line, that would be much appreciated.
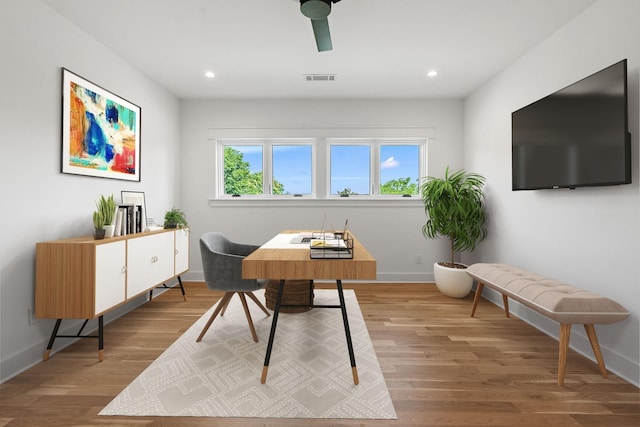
(322, 34)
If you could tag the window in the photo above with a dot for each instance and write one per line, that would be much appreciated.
(350, 169)
(292, 169)
(376, 168)
(274, 168)
(399, 169)
(243, 169)
(288, 168)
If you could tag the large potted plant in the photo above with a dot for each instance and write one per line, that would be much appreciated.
(455, 209)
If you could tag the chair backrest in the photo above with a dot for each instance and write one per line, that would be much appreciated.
(222, 263)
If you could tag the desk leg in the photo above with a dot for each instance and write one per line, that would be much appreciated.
(274, 322)
(343, 307)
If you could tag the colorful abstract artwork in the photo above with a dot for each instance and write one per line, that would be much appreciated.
(100, 131)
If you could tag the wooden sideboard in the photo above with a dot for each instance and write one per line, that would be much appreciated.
(83, 278)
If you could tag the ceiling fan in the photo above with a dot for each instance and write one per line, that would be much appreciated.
(318, 11)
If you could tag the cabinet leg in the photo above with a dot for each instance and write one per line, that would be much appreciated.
(54, 334)
(100, 339)
(164, 286)
(184, 296)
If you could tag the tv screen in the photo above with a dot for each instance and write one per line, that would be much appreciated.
(575, 137)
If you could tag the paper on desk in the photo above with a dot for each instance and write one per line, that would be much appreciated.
(282, 241)
(327, 243)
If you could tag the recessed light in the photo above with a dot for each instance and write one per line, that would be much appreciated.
(209, 74)
(432, 73)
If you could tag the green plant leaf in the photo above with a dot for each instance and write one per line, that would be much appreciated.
(454, 206)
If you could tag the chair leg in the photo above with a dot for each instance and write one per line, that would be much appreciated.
(246, 312)
(258, 303)
(224, 309)
(222, 304)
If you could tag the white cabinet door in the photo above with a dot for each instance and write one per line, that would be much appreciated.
(182, 251)
(150, 261)
(110, 275)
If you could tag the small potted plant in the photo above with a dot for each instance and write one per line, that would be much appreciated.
(107, 207)
(455, 208)
(98, 225)
(175, 218)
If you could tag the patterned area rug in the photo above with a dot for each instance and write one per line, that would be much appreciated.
(309, 372)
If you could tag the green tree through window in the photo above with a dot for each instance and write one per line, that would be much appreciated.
(238, 178)
(399, 186)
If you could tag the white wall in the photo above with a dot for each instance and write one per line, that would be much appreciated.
(586, 237)
(38, 202)
(392, 233)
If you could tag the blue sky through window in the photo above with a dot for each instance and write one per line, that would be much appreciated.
(251, 154)
(292, 168)
(350, 165)
(291, 165)
(350, 168)
(399, 161)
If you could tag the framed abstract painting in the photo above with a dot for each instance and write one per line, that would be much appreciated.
(100, 131)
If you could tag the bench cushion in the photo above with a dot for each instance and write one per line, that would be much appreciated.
(559, 301)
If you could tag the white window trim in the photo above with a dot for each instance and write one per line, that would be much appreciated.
(351, 142)
(320, 175)
(267, 145)
(314, 167)
(374, 167)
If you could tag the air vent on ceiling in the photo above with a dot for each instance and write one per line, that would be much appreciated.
(319, 77)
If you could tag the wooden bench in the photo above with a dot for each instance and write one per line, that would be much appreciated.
(559, 301)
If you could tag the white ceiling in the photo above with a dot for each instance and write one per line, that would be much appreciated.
(262, 48)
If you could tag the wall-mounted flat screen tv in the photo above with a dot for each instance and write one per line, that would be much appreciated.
(575, 137)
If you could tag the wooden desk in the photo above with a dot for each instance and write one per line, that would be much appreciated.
(294, 262)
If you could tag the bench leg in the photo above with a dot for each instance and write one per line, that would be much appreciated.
(476, 298)
(565, 335)
(591, 333)
(505, 301)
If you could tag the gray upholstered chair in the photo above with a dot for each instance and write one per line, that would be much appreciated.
(222, 266)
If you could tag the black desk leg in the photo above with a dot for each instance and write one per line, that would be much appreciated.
(54, 334)
(345, 319)
(274, 322)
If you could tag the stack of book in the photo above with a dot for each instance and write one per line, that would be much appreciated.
(128, 220)
(331, 248)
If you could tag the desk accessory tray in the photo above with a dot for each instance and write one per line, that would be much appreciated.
(326, 248)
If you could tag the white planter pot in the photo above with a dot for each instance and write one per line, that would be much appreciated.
(109, 230)
(453, 282)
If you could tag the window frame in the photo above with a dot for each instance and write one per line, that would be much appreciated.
(375, 145)
(320, 167)
(347, 142)
(267, 145)
(422, 164)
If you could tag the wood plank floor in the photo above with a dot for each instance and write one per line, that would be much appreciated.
(442, 368)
